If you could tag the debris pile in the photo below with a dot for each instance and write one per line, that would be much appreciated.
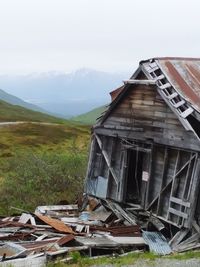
(96, 227)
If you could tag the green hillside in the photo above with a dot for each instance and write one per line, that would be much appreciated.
(11, 99)
(41, 164)
(91, 116)
(11, 113)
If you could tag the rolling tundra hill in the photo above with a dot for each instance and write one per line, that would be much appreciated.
(12, 113)
(11, 99)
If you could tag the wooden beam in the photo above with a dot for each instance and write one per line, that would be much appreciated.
(178, 213)
(150, 177)
(178, 237)
(173, 181)
(164, 188)
(185, 165)
(105, 155)
(194, 191)
(165, 163)
(143, 82)
(180, 202)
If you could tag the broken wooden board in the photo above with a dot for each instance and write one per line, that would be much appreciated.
(56, 224)
(44, 209)
(25, 218)
(127, 240)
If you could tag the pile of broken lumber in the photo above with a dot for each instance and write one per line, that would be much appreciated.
(96, 228)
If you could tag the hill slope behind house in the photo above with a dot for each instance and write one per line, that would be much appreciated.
(11, 99)
(11, 113)
(91, 116)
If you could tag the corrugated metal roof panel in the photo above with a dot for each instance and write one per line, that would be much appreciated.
(184, 75)
(157, 243)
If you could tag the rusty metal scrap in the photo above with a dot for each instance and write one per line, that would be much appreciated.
(65, 239)
(121, 230)
(56, 224)
(55, 238)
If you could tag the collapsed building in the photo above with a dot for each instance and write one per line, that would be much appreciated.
(143, 178)
(145, 147)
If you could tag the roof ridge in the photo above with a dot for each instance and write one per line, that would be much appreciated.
(170, 58)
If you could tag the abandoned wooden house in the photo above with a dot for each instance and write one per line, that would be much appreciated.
(145, 147)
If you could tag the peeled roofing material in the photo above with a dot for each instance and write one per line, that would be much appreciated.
(184, 75)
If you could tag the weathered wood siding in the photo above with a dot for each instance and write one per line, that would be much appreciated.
(142, 121)
(145, 112)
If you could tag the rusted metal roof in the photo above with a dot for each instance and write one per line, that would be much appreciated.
(116, 92)
(184, 75)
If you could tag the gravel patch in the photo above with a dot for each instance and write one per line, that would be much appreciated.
(160, 263)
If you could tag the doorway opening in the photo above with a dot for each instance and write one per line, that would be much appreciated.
(135, 159)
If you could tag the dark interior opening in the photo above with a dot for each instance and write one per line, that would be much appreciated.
(195, 124)
(134, 176)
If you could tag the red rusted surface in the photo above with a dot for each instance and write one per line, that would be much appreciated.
(56, 224)
(65, 239)
(121, 230)
(116, 92)
(195, 74)
(182, 82)
(178, 58)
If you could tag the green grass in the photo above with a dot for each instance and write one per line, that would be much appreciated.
(41, 164)
(129, 259)
(91, 116)
(10, 112)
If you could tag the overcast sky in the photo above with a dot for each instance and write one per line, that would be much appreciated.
(110, 35)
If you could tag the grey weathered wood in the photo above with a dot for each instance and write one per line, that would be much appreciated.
(196, 226)
(150, 177)
(134, 81)
(162, 178)
(165, 140)
(149, 115)
(194, 191)
(173, 183)
(106, 158)
(178, 213)
(156, 198)
(178, 237)
(180, 201)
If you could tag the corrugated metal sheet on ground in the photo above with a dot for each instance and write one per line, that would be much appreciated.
(157, 243)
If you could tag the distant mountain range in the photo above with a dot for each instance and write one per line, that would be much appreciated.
(66, 94)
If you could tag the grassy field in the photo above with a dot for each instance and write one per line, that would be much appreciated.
(41, 164)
